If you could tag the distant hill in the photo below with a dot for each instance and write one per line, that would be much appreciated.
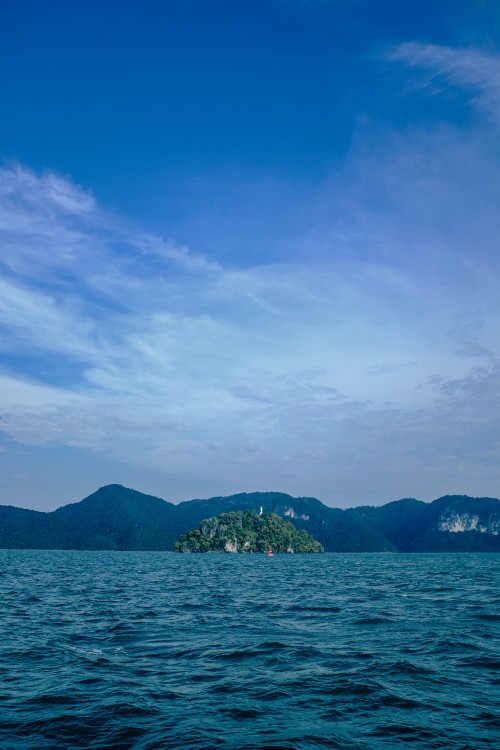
(114, 517)
(454, 523)
(117, 518)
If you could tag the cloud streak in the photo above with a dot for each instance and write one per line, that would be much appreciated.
(471, 69)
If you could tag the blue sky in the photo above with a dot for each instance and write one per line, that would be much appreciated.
(249, 246)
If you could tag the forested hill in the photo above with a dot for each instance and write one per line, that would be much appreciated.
(118, 518)
(246, 531)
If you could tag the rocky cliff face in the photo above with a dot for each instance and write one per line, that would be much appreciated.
(458, 523)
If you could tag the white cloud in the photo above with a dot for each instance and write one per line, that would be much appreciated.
(46, 193)
(470, 69)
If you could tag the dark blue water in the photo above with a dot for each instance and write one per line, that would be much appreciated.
(158, 650)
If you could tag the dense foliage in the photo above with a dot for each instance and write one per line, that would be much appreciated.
(246, 531)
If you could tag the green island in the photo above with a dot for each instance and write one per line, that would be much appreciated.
(247, 531)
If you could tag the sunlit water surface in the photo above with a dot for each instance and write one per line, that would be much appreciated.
(159, 650)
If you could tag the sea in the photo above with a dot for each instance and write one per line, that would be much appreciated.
(153, 650)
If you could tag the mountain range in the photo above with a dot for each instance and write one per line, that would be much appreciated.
(118, 518)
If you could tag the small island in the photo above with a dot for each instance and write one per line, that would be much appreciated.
(247, 531)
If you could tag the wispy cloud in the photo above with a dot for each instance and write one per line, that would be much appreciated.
(471, 69)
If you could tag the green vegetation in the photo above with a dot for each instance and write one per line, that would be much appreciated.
(246, 531)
